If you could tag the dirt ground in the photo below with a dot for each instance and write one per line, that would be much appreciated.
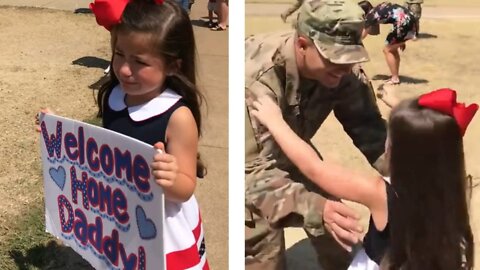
(54, 58)
(445, 55)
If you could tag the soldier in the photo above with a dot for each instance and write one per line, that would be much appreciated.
(415, 6)
(308, 72)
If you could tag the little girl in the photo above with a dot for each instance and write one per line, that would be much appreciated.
(152, 96)
(420, 219)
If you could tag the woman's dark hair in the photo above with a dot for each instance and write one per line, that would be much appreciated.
(429, 228)
(366, 6)
(173, 40)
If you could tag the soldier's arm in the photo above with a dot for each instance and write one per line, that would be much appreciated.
(269, 191)
(356, 109)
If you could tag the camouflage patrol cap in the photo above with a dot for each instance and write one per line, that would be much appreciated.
(335, 26)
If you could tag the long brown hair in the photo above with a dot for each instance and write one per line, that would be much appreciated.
(429, 228)
(173, 39)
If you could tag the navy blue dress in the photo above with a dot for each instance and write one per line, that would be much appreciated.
(376, 242)
(149, 127)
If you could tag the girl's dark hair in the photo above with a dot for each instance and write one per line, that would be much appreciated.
(429, 228)
(173, 40)
(366, 6)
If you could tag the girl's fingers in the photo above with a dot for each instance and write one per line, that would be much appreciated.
(46, 111)
(159, 146)
(164, 182)
(164, 166)
(167, 158)
(163, 174)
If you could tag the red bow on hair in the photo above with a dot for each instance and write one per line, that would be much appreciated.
(109, 12)
(445, 100)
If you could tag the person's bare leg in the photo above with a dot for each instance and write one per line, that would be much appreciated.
(223, 9)
(393, 60)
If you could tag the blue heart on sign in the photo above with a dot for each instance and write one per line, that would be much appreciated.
(58, 176)
(146, 227)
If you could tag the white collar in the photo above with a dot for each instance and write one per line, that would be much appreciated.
(387, 179)
(154, 107)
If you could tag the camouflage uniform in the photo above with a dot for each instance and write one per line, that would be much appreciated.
(415, 6)
(289, 11)
(277, 195)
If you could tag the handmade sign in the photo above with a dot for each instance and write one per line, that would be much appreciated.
(100, 198)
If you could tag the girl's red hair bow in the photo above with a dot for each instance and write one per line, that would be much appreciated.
(445, 100)
(109, 12)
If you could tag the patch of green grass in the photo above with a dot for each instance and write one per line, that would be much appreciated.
(24, 235)
(24, 243)
(93, 120)
(29, 247)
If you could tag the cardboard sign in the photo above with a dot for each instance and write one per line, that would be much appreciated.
(100, 196)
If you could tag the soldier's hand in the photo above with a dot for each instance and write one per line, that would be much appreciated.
(266, 111)
(342, 222)
(386, 92)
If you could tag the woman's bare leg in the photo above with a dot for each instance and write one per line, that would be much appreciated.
(393, 59)
(223, 10)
